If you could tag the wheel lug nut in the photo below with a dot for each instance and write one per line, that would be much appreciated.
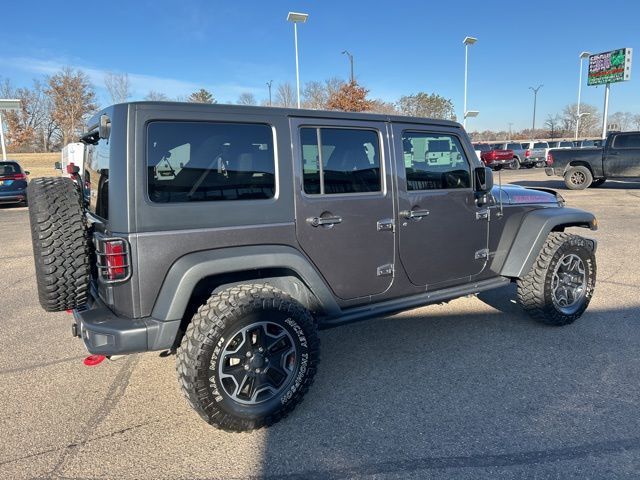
(261, 349)
(246, 367)
(249, 354)
(257, 370)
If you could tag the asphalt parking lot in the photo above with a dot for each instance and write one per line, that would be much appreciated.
(470, 389)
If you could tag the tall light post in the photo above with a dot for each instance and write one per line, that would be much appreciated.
(467, 41)
(269, 83)
(535, 99)
(583, 55)
(297, 18)
(510, 125)
(346, 52)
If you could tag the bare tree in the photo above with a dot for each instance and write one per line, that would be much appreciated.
(588, 123)
(380, 106)
(118, 86)
(154, 96)
(247, 98)
(622, 120)
(636, 121)
(73, 100)
(285, 96)
(316, 94)
(553, 123)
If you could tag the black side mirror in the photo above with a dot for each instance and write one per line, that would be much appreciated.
(27, 172)
(57, 166)
(483, 180)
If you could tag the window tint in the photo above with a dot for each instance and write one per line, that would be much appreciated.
(541, 145)
(588, 143)
(199, 161)
(631, 140)
(434, 161)
(483, 147)
(340, 160)
(96, 177)
(566, 144)
(514, 146)
(553, 144)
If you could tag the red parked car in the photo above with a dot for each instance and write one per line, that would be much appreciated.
(492, 157)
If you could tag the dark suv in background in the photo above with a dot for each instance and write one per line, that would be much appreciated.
(13, 183)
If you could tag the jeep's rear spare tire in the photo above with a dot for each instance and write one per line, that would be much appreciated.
(60, 243)
(248, 357)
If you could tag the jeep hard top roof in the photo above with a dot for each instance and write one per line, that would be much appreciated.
(276, 111)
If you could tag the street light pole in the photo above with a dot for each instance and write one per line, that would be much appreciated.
(510, 124)
(606, 110)
(4, 149)
(467, 41)
(269, 83)
(296, 18)
(583, 55)
(535, 99)
(346, 52)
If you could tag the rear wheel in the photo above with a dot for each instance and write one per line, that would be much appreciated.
(578, 178)
(248, 357)
(559, 286)
(60, 243)
(597, 182)
(515, 164)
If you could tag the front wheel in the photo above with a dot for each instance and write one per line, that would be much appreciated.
(559, 286)
(248, 357)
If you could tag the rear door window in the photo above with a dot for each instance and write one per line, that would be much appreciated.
(340, 160)
(206, 161)
(627, 140)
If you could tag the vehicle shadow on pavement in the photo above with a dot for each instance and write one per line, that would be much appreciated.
(429, 390)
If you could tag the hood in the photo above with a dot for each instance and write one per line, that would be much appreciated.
(515, 195)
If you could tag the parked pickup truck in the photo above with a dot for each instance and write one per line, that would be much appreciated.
(493, 157)
(590, 167)
(522, 156)
(535, 153)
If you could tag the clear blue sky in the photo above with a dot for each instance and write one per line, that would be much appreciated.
(234, 46)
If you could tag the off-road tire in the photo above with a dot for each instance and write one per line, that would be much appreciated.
(534, 289)
(597, 182)
(60, 243)
(199, 355)
(578, 178)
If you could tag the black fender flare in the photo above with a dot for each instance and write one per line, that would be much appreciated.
(534, 229)
(188, 270)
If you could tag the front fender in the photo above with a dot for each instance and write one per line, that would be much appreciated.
(187, 271)
(534, 229)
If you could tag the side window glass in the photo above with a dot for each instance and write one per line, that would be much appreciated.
(627, 141)
(434, 161)
(340, 160)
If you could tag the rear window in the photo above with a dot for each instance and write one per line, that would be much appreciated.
(9, 168)
(541, 145)
(482, 147)
(206, 161)
(514, 146)
(96, 177)
(588, 143)
(566, 144)
(553, 144)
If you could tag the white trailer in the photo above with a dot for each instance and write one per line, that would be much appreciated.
(72, 155)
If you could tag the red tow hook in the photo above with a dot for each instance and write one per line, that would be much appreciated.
(93, 360)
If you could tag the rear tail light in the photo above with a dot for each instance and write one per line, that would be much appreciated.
(14, 176)
(549, 159)
(70, 168)
(113, 260)
(527, 154)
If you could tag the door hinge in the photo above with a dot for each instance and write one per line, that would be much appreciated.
(482, 215)
(385, 270)
(385, 225)
(482, 254)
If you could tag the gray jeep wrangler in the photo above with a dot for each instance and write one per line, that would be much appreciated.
(230, 234)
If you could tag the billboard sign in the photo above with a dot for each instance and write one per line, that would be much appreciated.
(610, 67)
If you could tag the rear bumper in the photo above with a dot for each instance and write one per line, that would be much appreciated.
(105, 333)
(13, 197)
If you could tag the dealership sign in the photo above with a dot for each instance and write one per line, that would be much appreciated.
(610, 67)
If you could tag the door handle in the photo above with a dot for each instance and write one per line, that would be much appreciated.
(415, 214)
(324, 221)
